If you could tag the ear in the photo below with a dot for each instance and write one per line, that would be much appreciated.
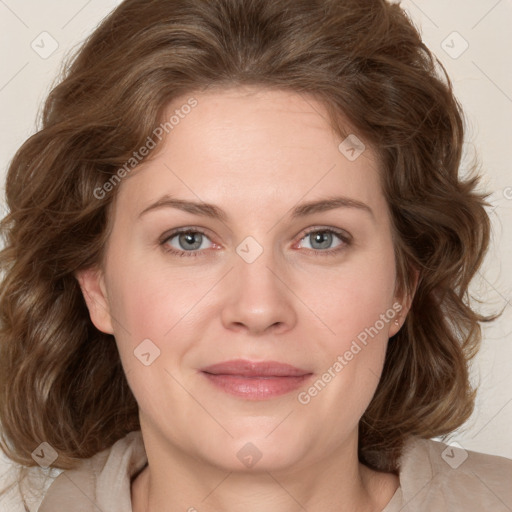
(402, 305)
(92, 284)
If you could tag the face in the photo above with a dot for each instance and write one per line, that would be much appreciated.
(260, 269)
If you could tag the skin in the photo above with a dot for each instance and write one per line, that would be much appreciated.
(256, 154)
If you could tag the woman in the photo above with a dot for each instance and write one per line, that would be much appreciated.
(237, 265)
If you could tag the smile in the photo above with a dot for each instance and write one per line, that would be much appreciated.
(255, 380)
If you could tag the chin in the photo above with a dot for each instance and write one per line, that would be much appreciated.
(255, 453)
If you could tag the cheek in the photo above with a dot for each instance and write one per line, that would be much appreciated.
(154, 315)
(150, 300)
(357, 307)
(157, 304)
(353, 297)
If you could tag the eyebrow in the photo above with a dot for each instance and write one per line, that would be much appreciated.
(214, 212)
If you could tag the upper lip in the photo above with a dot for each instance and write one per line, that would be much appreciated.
(247, 368)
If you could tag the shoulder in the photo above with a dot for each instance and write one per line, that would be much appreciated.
(102, 482)
(440, 476)
(23, 488)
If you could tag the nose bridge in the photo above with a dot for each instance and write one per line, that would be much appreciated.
(255, 270)
(258, 298)
(260, 264)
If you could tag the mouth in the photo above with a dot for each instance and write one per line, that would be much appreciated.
(255, 380)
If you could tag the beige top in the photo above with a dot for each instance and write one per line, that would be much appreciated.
(433, 477)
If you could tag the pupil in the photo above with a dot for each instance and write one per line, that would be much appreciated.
(188, 238)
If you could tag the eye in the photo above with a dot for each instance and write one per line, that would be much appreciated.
(192, 242)
(321, 240)
(186, 242)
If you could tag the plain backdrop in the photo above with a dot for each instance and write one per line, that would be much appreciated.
(471, 38)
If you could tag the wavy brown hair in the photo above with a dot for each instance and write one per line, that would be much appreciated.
(61, 380)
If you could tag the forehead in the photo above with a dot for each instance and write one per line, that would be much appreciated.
(250, 144)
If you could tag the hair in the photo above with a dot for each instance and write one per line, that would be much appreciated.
(61, 379)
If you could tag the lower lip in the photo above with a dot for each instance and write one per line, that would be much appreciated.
(256, 388)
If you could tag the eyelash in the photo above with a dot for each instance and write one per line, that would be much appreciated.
(343, 236)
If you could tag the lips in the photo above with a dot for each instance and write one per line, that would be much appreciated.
(255, 380)
(245, 368)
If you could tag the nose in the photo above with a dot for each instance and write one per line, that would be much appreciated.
(258, 299)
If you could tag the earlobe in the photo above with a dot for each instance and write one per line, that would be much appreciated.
(92, 284)
(398, 321)
(404, 302)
